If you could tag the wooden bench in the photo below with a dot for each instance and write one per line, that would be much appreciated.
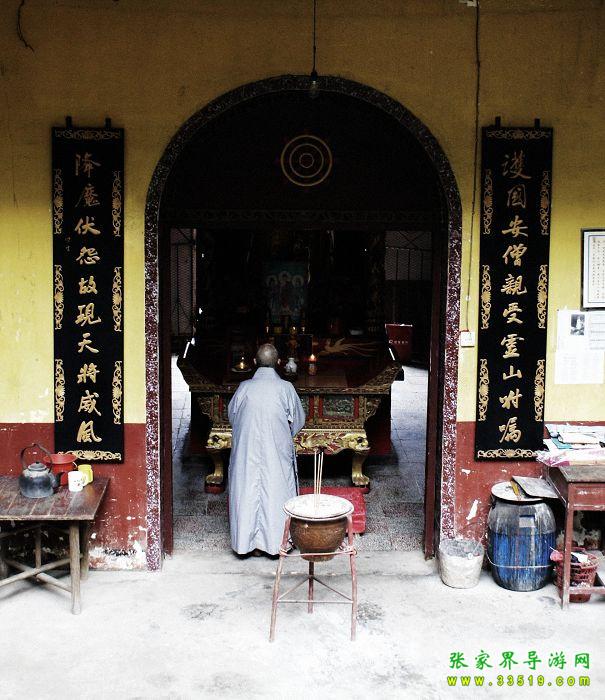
(70, 512)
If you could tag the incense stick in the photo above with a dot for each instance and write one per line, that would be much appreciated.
(318, 465)
(321, 469)
(315, 503)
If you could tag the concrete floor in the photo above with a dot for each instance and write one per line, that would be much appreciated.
(394, 506)
(199, 628)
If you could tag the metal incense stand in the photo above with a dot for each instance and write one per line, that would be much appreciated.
(343, 546)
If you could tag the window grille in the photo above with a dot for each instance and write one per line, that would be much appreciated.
(183, 282)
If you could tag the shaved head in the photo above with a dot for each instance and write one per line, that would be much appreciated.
(267, 356)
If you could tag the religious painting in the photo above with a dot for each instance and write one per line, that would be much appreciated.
(285, 285)
(514, 262)
(88, 291)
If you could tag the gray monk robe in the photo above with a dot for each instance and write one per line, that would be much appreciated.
(265, 413)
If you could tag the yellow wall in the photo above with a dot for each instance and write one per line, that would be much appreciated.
(150, 64)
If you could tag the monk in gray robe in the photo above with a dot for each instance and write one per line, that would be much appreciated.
(266, 414)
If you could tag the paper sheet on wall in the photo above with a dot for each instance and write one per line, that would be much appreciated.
(580, 330)
(578, 367)
(572, 334)
(596, 330)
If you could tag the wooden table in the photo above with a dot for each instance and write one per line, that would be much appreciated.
(64, 508)
(579, 488)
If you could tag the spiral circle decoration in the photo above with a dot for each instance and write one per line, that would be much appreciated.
(306, 160)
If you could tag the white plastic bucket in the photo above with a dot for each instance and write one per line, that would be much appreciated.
(460, 562)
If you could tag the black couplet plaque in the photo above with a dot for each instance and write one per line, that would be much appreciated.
(88, 291)
(513, 276)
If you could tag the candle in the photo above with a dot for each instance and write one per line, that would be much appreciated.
(312, 364)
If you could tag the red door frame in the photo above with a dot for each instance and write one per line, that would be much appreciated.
(167, 507)
(441, 414)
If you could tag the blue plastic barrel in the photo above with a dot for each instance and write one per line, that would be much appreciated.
(520, 539)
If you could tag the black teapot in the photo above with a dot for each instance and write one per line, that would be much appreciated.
(37, 480)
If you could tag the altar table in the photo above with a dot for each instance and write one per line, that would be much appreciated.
(337, 410)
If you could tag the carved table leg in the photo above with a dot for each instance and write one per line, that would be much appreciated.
(358, 477)
(215, 482)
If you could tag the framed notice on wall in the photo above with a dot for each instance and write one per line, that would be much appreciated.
(88, 274)
(593, 268)
(514, 259)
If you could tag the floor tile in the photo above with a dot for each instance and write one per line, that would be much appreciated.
(371, 542)
(376, 524)
(398, 509)
(406, 542)
(394, 507)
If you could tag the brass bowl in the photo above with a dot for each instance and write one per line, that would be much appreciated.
(318, 536)
(318, 523)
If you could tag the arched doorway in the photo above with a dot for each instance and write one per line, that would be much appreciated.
(206, 173)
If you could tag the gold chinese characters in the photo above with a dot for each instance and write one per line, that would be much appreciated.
(87, 218)
(514, 202)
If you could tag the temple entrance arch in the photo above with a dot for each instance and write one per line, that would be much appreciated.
(367, 164)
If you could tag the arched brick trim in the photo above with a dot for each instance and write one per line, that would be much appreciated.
(452, 206)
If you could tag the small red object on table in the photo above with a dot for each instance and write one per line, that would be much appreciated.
(352, 494)
(76, 510)
(579, 487)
